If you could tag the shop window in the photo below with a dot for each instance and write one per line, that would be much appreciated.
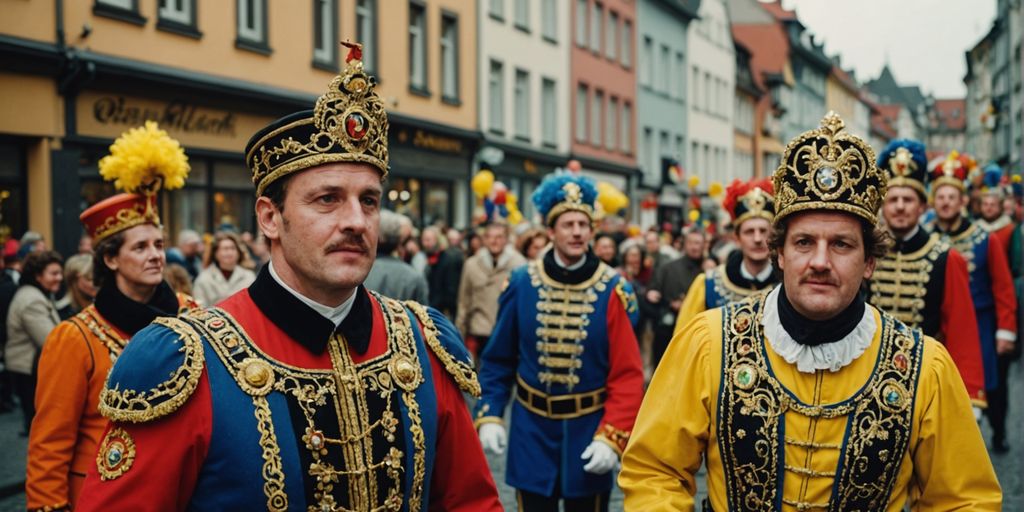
(325, 34)
(13, 204)
(232, 201)
(178, 16)
(426, 202)
(123, 10)
(252, 26)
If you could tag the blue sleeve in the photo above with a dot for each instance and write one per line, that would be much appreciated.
(500, 358)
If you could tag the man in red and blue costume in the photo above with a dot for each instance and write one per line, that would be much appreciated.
(992, 290)
(563, 350)
(306, 391)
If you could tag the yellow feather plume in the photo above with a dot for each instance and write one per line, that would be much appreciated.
(143, 155)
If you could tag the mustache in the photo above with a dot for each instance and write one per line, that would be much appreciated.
(819, 277)
(348, 243)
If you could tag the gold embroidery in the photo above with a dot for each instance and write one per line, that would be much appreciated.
(273, 474)
(559, 348)
(898, 285)
(462, 371)
(134, 406)
(116, 454)
(103, 331)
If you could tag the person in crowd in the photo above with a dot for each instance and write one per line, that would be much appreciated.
(225, 269)
(669, 286)
(30, 242)
(607, 250)
(563, 345)
(746, 271)
(995, 222)
(8, 286)
(921, 280)
(85, 245)
(474, 242)
(305, 391)
(188, 253)
(260, 251)
(390, 276)
(128, 262)
(638, 275)
(178, 279)
(483, 278)
(12, 264)
(991, 283)
(657, 252)
(79, 283)
(444, 268)
(30, 318)
(807, 398)
(532, 243)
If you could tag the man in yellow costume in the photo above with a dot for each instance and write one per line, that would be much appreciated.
(746, 271)
(807, 398)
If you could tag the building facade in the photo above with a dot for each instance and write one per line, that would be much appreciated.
(1006, 83)
(979, 110)
(712, 85)
(745, 101)
(662, 105)
(603, 91)
(524, 99)
(948, 126)
(84, 84)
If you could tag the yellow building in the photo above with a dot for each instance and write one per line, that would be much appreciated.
(75, 74)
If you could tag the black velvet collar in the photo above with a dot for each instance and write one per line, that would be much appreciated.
(732, 270)
(818, 332)
(130, 316)
(303, 324)
(912, 244)
(960, 227)
(565, 276)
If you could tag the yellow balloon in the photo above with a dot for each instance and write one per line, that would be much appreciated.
(694, 181)
(514, 217)
(694, 215)
(482, 183)
(715, 189)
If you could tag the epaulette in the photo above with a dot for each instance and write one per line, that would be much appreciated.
(157, 373)
(443, 339)
(624, 291)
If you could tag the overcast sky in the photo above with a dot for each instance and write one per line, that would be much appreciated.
(923, 40)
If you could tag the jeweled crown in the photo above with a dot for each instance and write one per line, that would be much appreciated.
(829, 169)
(348, 124)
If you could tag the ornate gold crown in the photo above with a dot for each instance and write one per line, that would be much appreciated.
(348, 124)
(829, 169)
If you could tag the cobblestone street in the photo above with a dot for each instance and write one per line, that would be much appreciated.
(1009, 466)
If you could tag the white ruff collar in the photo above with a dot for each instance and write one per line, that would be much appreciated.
(828, 356)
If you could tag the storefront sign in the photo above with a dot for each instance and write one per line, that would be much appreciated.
(431, 141)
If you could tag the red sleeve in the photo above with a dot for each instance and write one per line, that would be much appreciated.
(625, 379)
(1002, 286)
(169, 454)
(461, 480)
(959, 327)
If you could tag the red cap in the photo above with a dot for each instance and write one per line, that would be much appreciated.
(118, 213)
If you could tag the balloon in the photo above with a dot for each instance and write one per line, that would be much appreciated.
(500, 197)
(512, 200)
(694, 215)
(488, 208)
(694, 181)
(715, 189)
(482, 183)
(515, 217)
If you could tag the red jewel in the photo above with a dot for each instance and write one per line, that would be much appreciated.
(217, 323)
(901, 362)
(356, 126)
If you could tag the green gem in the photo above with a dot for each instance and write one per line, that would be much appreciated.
(113, 456)
(892, 397)
(745, 377)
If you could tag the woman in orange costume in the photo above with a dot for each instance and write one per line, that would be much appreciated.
(128, 270)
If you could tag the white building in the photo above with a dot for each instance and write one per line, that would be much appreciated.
(524, 89)
(711, 88)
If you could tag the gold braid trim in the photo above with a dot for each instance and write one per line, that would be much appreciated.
(273, 476)
(52, 508)
(613, 437)
(134, 406)
(462, 372)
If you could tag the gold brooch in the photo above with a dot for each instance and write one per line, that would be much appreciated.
(257, 377)
(407, 373)
(116, 454)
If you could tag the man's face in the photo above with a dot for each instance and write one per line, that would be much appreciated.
(495, 239)
(902, 209)
(604, 248)
(570, 235)
(140, 260)
(429, 240)
(1010, 207)
(454, 238)
(651, 243)
(753, 239)
(822, 262)
(327, 232)
(991, 207)
(948, 203)
(694, 246)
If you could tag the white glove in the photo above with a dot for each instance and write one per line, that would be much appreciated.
(493, 438)
(602, 458)
(977, 413)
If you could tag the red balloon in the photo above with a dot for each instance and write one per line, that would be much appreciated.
(500, 196)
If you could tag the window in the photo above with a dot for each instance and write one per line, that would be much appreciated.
(522, 104)
(596, 24)
(523, 15)
(665, 70)
(664, 150)
(325, 28)
(626, 127)
(497, 10)
(581, 113)
(611, 45)
(647, 157)
(124, 10)
(581, 22)
(449, 58)
(366, 32)
(128, 5)
(695, 81)
(596, 104)
(708, 94)
(626, 54)
(417, 47)
(695, 156)
(611, 123)
(680, 77)
(252, 25)
(549, 20)
(647, 63)
(549, 116)
(680, 148)
(496, 98)
(178, 16)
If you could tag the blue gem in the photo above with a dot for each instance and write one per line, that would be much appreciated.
(827, 178)
(113, 456)
(892, 397)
